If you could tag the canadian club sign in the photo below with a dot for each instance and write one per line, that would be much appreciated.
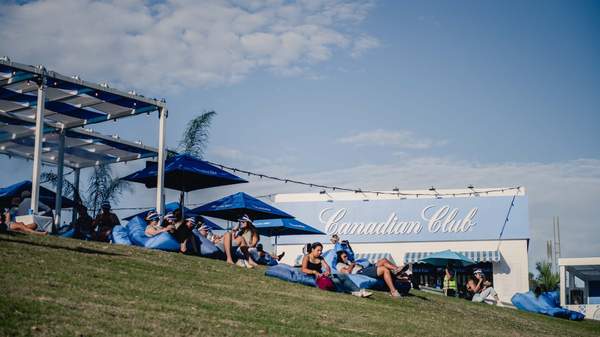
(447, 219)
(433, 219)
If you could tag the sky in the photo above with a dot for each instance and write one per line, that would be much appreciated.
(364, 94)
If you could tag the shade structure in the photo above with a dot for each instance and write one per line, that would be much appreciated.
(82, 147)
(442, 258)
(234, 206)
(46, 196)
(475, 255)
(185, 173)
(285, 226)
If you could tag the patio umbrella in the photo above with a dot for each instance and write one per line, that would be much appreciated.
(172, 206)
(46, 196)
(234, 206)
(185, 173)
(441, 259)
(286, 226)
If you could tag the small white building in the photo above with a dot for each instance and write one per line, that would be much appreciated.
(580, 285)
(416, 223)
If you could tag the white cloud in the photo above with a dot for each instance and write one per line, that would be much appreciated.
(397, 138)
(364, 43)
(163, 45)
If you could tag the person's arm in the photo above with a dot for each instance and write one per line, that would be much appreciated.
(448, 276)
(183, 246)
(478, 286)
(254, 240)
(326, 266)
(305, 269)
(345, 270)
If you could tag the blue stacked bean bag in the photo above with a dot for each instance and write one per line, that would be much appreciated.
(120, 236)
(546, 304)
(288, 273)
(162, 241)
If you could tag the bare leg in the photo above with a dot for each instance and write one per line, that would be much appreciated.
(227, 245)
(387, 264)
(387, 277)
(244, 248)
(21, 227)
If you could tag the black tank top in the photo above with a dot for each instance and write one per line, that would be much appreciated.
(314, 266)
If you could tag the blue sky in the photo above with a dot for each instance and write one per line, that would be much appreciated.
(369, 94)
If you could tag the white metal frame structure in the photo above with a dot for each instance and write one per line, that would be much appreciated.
(586, 270)
(54, 102)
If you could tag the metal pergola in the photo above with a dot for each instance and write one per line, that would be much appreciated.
(46, 111)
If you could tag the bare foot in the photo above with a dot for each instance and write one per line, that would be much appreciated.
(230, 262)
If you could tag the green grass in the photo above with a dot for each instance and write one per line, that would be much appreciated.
(61, 287)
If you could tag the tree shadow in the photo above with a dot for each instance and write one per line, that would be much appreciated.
(52, 246)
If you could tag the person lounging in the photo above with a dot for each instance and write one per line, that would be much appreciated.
(314, 264)
(105, 221)
(153, 226)
(382, 269)
(10, 216)
(481, 289)
(183, 233)
(244, 236)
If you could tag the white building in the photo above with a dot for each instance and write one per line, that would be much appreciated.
(580, 285)
(413, 223)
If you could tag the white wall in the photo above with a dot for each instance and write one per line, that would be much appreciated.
(510, 274)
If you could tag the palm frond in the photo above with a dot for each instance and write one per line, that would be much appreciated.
(51, 178)
(195, 135)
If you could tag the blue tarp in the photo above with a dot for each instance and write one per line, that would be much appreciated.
(232, 207)
(46, 196)
(546, 304)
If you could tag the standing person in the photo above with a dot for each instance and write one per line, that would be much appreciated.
(84, 224)
(314, 264)
(450, 288)
(10, 216)
(105, 221)
(481, 288)
(334, 239)
(244, 236)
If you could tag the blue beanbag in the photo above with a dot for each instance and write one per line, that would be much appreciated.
(207, 248)
(162, 241)
(545, 304)
(290, 274)
(120, 236)
(68, 233)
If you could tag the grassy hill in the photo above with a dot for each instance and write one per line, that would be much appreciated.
(61, 287)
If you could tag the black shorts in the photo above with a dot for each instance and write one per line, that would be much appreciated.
(370, 271)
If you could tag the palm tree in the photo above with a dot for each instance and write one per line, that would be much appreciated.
(546, 279)
(68, 191)
(103, 187)
(195, 136)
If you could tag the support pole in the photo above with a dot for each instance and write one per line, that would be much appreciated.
(59, 184)
(76, 196)
(37, 152)
(563, 286)
(160, 194)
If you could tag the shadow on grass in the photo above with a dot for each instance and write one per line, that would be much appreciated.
(423, 298)
(76, 249)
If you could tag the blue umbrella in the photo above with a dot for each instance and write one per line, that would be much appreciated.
(441, 259)
(46, 196)
(234, 206)
(185, 173)
(172, 206)
(286, 226)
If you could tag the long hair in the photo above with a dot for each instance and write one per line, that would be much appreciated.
(339, 255)
(312, 246)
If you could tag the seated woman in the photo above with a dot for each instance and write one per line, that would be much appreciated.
(383, 269)
(314, 264)
(84, 224)
(481, 288)
(183, 233)
(153, 227)
(244, 236)
(17, 226)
